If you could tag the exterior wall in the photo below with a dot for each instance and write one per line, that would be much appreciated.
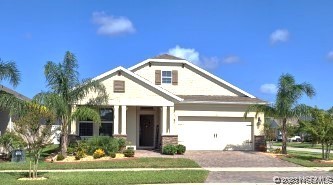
(131, 126)
(189, 80)
(136, 93)
(219, 113)
(4, 121)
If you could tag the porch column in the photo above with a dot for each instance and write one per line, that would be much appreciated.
(123, 120)
(164, 120)
(115, 119)
(73, 122)
(172, 120)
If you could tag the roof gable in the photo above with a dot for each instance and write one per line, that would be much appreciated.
(139, 78)
(193, 67)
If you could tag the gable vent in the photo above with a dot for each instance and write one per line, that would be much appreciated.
(118, 86)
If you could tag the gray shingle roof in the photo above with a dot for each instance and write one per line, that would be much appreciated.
(167, 56)
(220, 99)
(16, 94)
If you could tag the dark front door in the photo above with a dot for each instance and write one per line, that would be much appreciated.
(147, 130)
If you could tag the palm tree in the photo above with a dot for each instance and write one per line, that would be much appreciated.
(9, 71)
(65, 91)
(286, 104)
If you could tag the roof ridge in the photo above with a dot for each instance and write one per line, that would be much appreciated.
(167, 56)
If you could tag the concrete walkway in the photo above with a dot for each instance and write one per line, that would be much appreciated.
(227, 169)
(300, 149)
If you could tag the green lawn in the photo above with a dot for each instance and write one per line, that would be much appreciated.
(93, 178)
(306, 159)
(299, 145)
(121, 163)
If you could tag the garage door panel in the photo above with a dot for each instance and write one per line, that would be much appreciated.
(208, 135)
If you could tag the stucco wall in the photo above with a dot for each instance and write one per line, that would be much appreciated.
(131, 128)
(136, 92)
(190, 80)
(4, 121)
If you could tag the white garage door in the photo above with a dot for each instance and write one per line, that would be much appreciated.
(213, 135)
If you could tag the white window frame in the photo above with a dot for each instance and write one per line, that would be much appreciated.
(166, 77)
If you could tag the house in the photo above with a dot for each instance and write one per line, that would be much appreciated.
(5, 118)
(168, 100)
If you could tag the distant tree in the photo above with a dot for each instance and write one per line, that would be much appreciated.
(286, 105)
(320, 127)
(65, 91)
(34, 126)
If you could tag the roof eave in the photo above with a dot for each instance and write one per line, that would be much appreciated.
(226, 103)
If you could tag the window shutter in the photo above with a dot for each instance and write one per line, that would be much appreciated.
(157, 77)
(118, 86)
(174, 77)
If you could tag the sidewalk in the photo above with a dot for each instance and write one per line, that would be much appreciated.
(228, 169)
(300, 149)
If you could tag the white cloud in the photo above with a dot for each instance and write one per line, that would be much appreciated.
(330, 55)
(210, 63)
(268, 88)
(280, 35)
(186, 53)
(231, 59)
(112, 26)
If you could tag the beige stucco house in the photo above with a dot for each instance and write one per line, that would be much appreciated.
(166, 99)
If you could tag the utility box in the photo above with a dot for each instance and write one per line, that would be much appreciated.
(18, 155)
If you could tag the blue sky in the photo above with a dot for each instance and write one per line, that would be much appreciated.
(247, 43)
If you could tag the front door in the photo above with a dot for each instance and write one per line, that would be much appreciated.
(146, 136)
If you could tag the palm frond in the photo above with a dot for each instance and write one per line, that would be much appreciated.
(9, 71)
(257, 108)
(86, 113)
(53, 102)
(70, 66)
(301, 111)
(11, 103)
(90, 86)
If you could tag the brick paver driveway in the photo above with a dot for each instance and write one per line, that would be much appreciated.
(245, 159)
(235, 159)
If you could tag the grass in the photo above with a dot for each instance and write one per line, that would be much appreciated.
(306, 159)
(299, 145)
(122, 163)
(94, 178)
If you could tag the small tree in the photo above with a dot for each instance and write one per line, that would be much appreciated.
(320, 127)
(34, 126)
(269, 132)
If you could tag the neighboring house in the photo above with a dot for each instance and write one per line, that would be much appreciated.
(276, 125)
(5, 118)
(168, 100)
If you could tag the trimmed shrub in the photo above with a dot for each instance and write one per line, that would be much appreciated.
(108, 144)
(121, 144)
(80, 154)
(277, 151)
(181, 149)
(98, 153)
(128, 153)
(113, 155)
(70, 150)
(60, 157)
(169, 150)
